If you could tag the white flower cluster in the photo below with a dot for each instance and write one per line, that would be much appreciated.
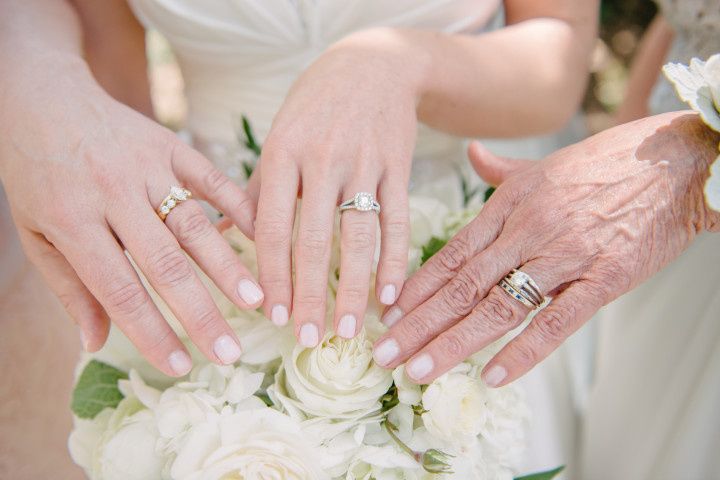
(699, 86)
(287, 412)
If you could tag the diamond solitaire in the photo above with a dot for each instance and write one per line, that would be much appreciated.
(362, 201)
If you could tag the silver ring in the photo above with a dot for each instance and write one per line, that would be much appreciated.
(177, 196)
(362, 201)
(523, 288)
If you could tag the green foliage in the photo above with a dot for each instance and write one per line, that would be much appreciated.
(390, 399)
(250, 142)
(431, 248)
(96, 389)
(549, 475)
(488, 193)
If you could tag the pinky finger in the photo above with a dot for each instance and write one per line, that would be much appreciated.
(79, 303)
(546, 332)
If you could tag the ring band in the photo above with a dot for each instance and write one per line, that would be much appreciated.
(362, 201)
(520, 286)
(177, 196)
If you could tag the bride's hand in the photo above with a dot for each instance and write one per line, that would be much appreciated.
(588, 224)
(348, 125)
(84, 175)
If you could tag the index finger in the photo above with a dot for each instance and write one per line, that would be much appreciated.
(445, 264)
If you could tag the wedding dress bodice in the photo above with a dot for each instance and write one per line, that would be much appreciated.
(697, 34)
(240, 57)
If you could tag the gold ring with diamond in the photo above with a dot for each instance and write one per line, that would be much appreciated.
(177, 196)
(362, 201)
(522, 288)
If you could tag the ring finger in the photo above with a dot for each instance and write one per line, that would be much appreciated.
(358, 230)
(494, 316)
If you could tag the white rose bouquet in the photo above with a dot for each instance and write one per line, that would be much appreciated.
(286, 412)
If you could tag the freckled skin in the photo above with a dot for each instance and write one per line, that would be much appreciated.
(588, 223)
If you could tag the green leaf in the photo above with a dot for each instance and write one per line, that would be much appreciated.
(550, 474)
(488, 193)
(431, 248)
(390, 399)
(96, 389)
(250, 142)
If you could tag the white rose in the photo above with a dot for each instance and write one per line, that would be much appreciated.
(409, 393)
(118, 444)
(454, 404)
(259, 443)
(427, 219)
(338, 378)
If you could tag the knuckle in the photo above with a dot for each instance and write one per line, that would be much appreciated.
(314, 243)
(452, 256)
(524, 354)
(394, 263)
(353, 293)
(310, 302)
(193, 227)
(552, 321)
(460, 295)
(396, 229)
(359, 239)
(272, 233)
(215, 182)
(127, 300)
(415, 330)
(206, 322)
(169, 266)
(453, 345)
(495, 310)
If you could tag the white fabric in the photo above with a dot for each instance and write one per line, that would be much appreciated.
(653, 412)
(240, 57)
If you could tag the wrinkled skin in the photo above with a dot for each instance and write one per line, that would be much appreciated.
(588, 224)
(83, 175)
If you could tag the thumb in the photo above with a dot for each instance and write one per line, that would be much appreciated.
(492, 168)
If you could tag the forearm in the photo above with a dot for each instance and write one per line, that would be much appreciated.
(40, 50)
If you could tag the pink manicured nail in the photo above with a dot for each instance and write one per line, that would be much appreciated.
(494, 376)
(279, 315)
(387, 295)
(386, 352)
(392, 316)
(180, 362)
(420, 366)
(249, 292)
(227, 349)
(346, 326)
(308, 335)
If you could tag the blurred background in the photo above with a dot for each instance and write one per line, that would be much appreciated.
(623, 23)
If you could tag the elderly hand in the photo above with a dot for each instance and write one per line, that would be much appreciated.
(587, 223)
(84, 175)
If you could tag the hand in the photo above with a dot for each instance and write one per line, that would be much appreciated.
(84, 175)
(588, 223)
(348, 125)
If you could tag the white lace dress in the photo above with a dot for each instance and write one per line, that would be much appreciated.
(654, 412)
(240, 58)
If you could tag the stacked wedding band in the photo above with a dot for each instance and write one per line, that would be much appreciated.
(362, 201)
(522, 288)
(177, 196)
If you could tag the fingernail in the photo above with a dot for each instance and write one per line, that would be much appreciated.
(308, 335)
(392, 316)
(420, 366)
(249, 292)
(494, 376)
(386, 352)
(180, 362)
(346, 326)
(279, 315)
(227, 349)
(387, 296)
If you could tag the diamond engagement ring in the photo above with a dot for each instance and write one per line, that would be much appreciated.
(176, 197)
(362, 201)
(522, 288)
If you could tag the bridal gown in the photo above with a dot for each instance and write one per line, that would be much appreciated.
(241, 57)
(654, 410)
